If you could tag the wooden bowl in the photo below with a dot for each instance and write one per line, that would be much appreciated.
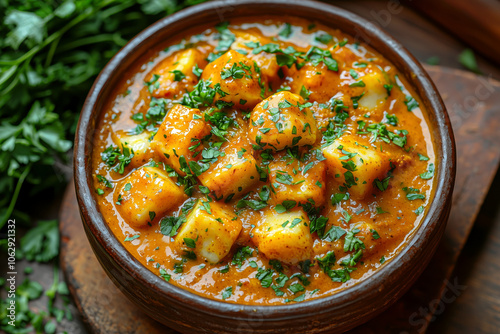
(189, 313)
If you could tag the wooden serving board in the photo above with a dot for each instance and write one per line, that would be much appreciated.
(473, 103)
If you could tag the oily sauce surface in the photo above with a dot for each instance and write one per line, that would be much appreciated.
(359, 186)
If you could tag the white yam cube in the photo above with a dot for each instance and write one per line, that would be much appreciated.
(231, 175)
(211, 228)
(139, 144)
(181, 129)
(236, 75)
(284, 236)
(303, 182)
(370, 164)
(178, 66)
(147, 192)
(280, 121)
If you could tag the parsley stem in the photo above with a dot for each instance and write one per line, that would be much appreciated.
(7, 74)
(27, 56)
(52, 50)
(116, 9)
(12, 84)
(14, 197)
(93, 40)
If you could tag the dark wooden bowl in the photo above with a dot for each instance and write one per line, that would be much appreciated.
(190, 313)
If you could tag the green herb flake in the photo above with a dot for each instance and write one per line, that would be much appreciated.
(197, 71)
(324, 38)
(152, 215)
(227, 292)
(422, 157)
(375, 234)
(178, 75)
(359, 83)
(419, 210)
(130, 238)
(429, 173)
(286, 32)
(413, 196)
(468, 60)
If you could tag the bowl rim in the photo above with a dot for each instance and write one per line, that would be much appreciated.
(443, 183)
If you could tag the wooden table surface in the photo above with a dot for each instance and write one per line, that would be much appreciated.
(477, 309)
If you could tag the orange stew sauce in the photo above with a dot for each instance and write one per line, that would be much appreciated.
(263, 161)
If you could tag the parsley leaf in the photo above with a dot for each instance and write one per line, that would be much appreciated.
(227, 292)
(169, 225)
(286, 31)
(41, 243)
(241, 254)
(429, 173)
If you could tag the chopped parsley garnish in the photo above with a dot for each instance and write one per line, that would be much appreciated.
(265, 276)
(190, 242)
(351, 242)
(353, 74)
(220, 122)
(333, 234)
(197, 71)
(241, 255)
(375, 234)
(241, 152)
(327, 262)
(379, 131)
(153, 84)
(411, 103)
(355, 100)
(359, 83)
(178, 75)
(227, 292)
(130, 238)
(284, 178)
(166, 276)
(226, 37)
(413, 194)
(286, 32)
(338, 197)
(169, 225)
(419, 210)
(236, 71)
(422, 157)
(391, 119)
(316, 55)
(304, 92)
(382, 185)
(318, 224)
(224, 269)
(202, 95)
(105, 181)
(113, 156)
(285, 206)
(324, 38)
(429, 173)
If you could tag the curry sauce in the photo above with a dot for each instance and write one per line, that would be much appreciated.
(263, 162)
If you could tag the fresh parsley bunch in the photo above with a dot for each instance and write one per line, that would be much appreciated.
(50, 54)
